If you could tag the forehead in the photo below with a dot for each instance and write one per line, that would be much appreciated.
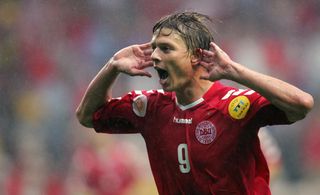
(166, 34)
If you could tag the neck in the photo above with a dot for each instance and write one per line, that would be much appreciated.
(193, 92)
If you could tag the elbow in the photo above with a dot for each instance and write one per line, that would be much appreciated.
(84, 119)
(306, 104)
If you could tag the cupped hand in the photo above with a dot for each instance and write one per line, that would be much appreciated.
(133, 59)
(216, 62)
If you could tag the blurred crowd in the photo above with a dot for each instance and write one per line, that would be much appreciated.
(51, 49)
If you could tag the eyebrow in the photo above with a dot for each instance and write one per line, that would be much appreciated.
(154, 44)
(155, 41)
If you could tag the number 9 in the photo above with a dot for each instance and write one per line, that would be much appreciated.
(184, 164)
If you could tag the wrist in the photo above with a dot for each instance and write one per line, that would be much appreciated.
(233, 72)
(112, 66)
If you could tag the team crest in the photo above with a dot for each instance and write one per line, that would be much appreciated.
(205, 132)
(239, 107)
(139, 105)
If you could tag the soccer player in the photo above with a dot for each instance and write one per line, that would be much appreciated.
(201, 136)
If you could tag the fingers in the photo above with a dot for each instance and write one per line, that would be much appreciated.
(146, 49)
(145, 46)
(138, 72)
(147, 52)
(206, 65)
(214, 47)
(145, 64)
(207, 55)
(213, 55)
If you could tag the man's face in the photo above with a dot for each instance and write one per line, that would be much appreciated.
(171, 59)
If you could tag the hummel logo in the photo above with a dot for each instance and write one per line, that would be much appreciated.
(182, 120)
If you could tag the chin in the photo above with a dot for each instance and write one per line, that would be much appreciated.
(167, 89)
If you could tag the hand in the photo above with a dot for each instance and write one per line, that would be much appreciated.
(133, 59)
(216, 62)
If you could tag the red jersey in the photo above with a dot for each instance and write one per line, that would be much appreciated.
(208, 147)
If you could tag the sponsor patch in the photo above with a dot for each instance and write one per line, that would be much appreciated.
(205, 132)
(239, 107)
(139, 105)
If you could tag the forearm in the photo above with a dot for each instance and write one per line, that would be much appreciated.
(288, 98)
(97, 93)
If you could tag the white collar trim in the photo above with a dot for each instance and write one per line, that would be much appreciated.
(182, 107)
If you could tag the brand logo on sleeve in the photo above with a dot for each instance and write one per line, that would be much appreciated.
(239, 107)
(205, 132)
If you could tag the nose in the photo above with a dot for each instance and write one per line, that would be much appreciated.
(155, 56)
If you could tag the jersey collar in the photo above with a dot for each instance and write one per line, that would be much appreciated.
(211, 92)
(185, 107)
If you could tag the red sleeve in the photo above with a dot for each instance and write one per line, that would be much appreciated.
(270, 115)
(121, 115)
(263, 113)
(246, 106)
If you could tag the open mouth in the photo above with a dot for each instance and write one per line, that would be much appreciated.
(163, 74)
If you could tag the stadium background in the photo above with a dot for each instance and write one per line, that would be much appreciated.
(50, 50)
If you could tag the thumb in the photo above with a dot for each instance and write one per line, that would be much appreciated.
(142, 73)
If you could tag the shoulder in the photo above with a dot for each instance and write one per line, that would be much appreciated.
(236, 102)
(144, 99)
(151, 95)
(223, 94)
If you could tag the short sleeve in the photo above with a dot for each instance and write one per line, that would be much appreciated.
(263, 113)
(124, 114)
(244, 105)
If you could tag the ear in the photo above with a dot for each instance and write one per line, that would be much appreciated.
(196, 57)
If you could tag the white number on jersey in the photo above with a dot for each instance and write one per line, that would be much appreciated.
(184, 164)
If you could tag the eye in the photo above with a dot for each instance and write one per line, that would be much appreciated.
(165, 48)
